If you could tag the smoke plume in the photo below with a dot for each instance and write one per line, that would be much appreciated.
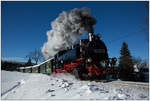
(66, 29)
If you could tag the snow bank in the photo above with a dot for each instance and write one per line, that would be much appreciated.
(17, 85)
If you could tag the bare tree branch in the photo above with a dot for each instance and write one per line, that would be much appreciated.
(35, 55)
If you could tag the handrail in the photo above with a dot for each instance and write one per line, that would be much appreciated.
(35, 65)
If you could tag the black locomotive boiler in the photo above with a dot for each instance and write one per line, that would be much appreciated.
(86, 59)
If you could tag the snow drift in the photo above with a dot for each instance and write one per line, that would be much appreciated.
(66, 29)
(17, 85)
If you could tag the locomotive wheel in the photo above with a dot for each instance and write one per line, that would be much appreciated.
(76, 73)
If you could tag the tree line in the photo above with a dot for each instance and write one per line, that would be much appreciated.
(34, 55)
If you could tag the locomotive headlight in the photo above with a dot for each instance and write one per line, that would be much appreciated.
(89, 60)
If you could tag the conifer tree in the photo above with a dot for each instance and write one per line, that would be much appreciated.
(29, 63)
(125, 63)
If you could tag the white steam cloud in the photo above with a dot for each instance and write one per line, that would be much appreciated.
(66, 29)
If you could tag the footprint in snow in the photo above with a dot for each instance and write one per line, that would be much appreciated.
(52, 84)
(53, 95)
(50, 90)
(70, 83)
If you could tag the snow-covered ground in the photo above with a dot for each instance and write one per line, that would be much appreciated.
(16, 85)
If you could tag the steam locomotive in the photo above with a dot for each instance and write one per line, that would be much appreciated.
(88, 59)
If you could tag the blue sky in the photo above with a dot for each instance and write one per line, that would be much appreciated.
(24, 25)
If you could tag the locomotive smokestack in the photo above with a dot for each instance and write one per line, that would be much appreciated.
(90, 29)
(90, 36)
(90, 33)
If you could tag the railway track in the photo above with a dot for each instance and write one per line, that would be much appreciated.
(130, 84)
(125, 83)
